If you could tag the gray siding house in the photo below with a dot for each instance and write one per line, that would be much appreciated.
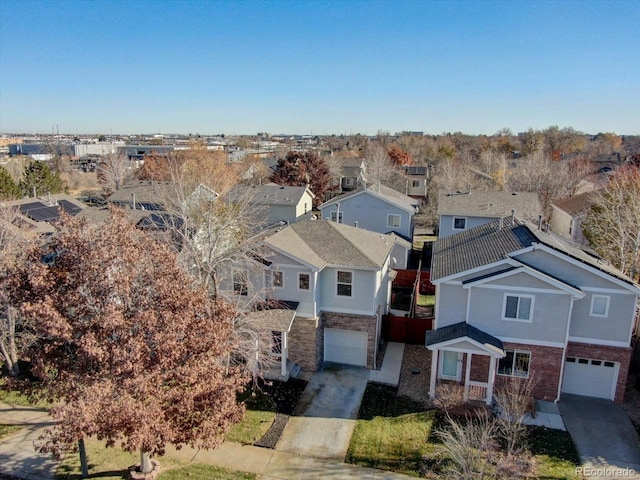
(514, 301)
(460, 211)
(568, 214)
(337, 281)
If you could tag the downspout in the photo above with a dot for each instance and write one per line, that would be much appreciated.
(564, 350)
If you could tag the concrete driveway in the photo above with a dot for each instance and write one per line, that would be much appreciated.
(326, 414)
(604, 436)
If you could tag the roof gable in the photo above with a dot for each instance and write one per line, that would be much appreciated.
(381, 192)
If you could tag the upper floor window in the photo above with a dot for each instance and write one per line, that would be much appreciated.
(459, 223)
(515, 363)
(240, 283)
(415, 183)
(303, 281)
(393, 220)
(336, 216)
(345, 283)
(517, 307)
(599, 306)
(277, 279)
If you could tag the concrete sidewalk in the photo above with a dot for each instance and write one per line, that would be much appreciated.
(277, 465)
(389, 373)
(18, 457)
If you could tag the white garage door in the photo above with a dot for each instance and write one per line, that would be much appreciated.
(345, 346)
(589, 377)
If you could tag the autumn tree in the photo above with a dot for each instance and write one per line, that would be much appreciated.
(304, 168)
(15, 333)
(155, 168)
(39, 176)
(9, 190)
(613, 224)
(131, 350)
(113, 172)
(398, 156)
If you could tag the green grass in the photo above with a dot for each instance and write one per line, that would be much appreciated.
(426, 300)
(554, 452)
(112, 464)
(395, 433)
(391, 433)
(258, 418)
(6, 430)
(12, 397)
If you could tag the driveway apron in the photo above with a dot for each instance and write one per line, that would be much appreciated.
(326, 414)
(604, 436)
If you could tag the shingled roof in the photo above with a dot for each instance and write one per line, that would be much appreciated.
(321, 243)
(478, 246)
(462, 330)
(381, 191)
(489, 204)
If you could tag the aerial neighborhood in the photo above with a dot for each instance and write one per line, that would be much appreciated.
(326, 275)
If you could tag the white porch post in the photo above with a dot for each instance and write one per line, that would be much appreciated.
(492, 378)
(467, 377)
(434, 372)
(283, 355)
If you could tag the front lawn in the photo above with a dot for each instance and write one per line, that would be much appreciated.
(395, 433)
(112, 464)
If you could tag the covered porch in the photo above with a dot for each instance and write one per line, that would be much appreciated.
(460, 351)
(276, 317)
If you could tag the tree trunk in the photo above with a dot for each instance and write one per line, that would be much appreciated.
(145, 462)
(8, 347)
(83, 458)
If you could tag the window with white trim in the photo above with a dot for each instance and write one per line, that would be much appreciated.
(336, 216)
(415, 183)
(517, 307)
(515, 364)
(277, 279)
(599, 306)
(303, 281)
(344, 283)
(459, 223)
(393, 220)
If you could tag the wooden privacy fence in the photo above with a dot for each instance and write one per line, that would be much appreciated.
(409, 330)
(407, 278)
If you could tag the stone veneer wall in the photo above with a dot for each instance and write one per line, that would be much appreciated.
(609, 354)
(359, 323)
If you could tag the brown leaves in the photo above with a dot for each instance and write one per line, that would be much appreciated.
(136, 353)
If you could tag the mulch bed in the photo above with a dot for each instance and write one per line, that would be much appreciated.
(285, 395)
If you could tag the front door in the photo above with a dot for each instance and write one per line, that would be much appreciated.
(450, 364)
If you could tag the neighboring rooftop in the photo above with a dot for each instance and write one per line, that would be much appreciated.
(462, 330)
(381, 191)
(38, 214)
(269, 194)
(321, 243)
(477, 203)
(577, 204)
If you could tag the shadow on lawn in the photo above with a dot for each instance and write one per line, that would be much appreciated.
(383, 401)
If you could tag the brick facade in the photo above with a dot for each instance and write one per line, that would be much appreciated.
(306, 338)
(607, 354)
(359, 323)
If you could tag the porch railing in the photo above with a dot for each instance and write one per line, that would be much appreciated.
(478, 390)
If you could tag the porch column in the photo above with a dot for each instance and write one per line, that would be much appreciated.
(434, 372)
(467, 377)
(493, 362)
(283, 355)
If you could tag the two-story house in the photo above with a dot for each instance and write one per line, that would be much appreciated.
(460, 211)
(275, 203)
(337, 280)
(514, 301)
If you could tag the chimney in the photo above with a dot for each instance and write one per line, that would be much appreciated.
(513, 217)
(133, 201)
(539, 222)
(49, 198)
(546, 228)
(500, 224)
(34, 191)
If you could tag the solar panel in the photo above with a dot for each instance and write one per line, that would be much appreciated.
(45, 214)
(71, 208)
(416, 170)
(26, 207)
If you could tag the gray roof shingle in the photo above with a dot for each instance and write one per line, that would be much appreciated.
(269, 194)
(461, 330)
(489, 204)
(381, 191)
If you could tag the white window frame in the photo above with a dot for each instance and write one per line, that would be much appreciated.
(415, 183)
(336, 215)
(273, 276)
(518, 296)
(344, 283)
(515, 355)
(308, 282)
(453, 223)
(606, 308)
(394, 215)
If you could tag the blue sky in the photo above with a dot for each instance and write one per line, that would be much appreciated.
(321, 67)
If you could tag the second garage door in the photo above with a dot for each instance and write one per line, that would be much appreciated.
(589, 377)
(345, 346)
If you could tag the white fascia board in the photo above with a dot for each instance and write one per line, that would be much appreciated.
(489, 349)
(504, 261)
